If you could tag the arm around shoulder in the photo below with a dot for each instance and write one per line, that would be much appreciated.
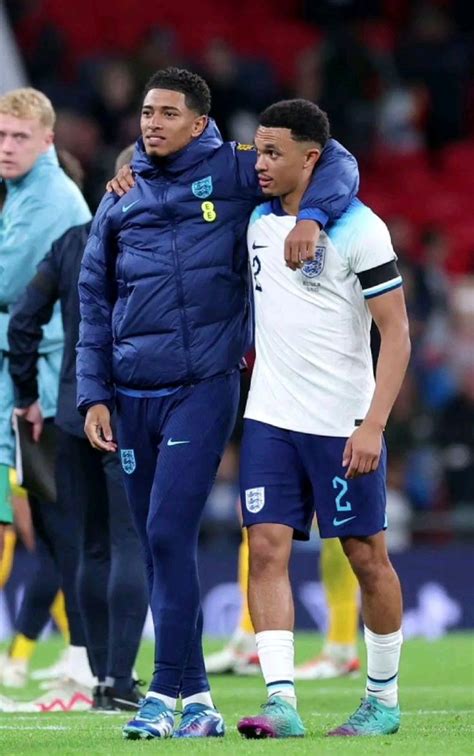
(334, 184)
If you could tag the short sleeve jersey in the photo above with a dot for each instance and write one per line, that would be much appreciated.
(313, 371)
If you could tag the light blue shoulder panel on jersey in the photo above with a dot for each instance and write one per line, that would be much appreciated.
(264, 209)
(357, 216)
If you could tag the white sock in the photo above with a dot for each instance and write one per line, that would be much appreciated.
(204, 698)
(277, 660)
(169, 702)
(383, 658)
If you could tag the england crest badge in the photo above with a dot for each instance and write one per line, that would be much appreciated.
(255, 499)
(202, 188)
(315, 267)
(127, 457)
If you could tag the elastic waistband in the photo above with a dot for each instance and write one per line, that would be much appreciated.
(168, 390)
(148, 393)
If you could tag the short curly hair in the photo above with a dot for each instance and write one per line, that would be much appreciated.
(27, 103)
(307, 122)
(196, 91)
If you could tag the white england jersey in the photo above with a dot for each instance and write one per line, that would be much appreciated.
(313, 371)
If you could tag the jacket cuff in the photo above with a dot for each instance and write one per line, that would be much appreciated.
(109, 403)
(314, 214)
(26, 395)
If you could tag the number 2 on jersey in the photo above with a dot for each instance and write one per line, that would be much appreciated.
(256, 267)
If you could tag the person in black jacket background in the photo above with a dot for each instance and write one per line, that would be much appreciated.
(111, 579)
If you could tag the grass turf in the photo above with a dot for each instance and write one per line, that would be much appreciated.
(437, 698)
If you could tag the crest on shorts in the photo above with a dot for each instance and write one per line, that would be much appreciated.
(255, 499)
(315, 267)
(127, 457)
(202, 188)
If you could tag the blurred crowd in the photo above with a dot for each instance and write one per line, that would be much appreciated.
(395, 77)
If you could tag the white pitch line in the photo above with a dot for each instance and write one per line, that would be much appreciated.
(336, 691)
(27, 717)
(326, 715)
(437, 711)
(420, 712)
(34, 727)
(322, 715)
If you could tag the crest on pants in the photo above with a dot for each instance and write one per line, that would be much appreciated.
(255, 499)
(127, 457)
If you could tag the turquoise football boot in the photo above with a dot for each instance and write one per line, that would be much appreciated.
(371, 718)
(278, 719)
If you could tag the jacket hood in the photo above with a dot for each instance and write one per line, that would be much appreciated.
(194, 152)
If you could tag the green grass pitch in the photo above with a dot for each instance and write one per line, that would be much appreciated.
(437, 699)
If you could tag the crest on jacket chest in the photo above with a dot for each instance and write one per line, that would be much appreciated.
(202, 188)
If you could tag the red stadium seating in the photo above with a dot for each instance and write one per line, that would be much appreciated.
(423, 189)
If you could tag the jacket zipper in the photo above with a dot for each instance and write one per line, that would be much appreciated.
(182, 312)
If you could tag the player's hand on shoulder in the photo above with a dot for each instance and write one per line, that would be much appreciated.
(98, 429)
(122, 182)
(362, 450)
(300, 244)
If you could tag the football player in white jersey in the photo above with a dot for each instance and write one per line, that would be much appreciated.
(314, 422)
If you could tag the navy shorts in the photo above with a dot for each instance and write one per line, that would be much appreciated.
(287, 477)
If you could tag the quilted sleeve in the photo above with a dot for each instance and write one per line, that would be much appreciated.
(97, 295)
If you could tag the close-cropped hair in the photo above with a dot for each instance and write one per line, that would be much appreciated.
(28, 103)
(196, 91)
(305, 119)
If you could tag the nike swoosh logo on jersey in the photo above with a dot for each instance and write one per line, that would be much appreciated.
(176, 443)
(127, 207)
(259, 246)
(337, 522)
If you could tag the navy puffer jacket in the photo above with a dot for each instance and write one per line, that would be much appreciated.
(164, 281)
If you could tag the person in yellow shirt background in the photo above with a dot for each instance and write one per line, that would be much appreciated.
(22, 648)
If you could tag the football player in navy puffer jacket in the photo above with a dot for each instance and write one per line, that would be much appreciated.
(166, 319)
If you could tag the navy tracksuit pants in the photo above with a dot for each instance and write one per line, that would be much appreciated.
(171, 443)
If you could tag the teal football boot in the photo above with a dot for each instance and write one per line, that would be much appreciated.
(371, 718)
(278, 719)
